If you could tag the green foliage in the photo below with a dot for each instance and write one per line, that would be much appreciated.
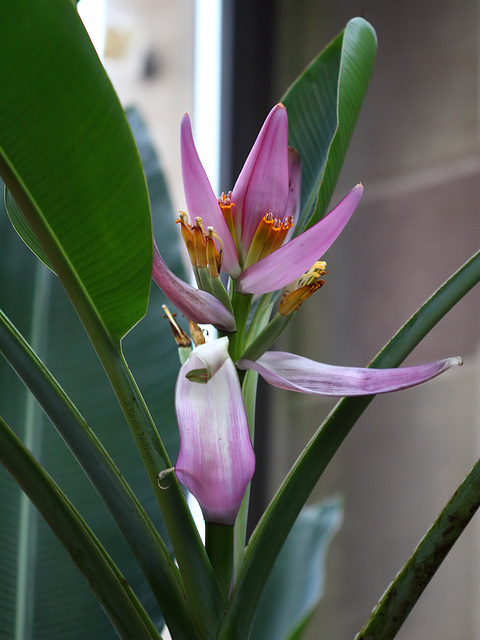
(323, 106)
(83, 208)
(296, 583)
(64, 602)
(88, 209)
(22, 228)
(109, 586)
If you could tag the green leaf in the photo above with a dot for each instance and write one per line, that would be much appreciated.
(69, 160)
(323, 106)
(270, 534)
(295, 585)
(145, 544)
(110, 587)
(21, 227)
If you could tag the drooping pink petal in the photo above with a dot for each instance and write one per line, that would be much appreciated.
(200, 198)
(196, 305)
(294, 258)
(216, 460)
(295, 373)
(262, 186)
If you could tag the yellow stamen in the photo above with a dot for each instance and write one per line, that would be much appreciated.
(199, 244)
(202, 247)
(214, 258)
(187, 235)
(181, 338)
(269, 236)
(297, 292)
(228, 207)
(196, 333)
(260, 240)
(276, 236)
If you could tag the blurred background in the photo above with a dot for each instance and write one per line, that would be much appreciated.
(415, 149)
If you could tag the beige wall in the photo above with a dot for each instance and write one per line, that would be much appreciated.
(416, 151)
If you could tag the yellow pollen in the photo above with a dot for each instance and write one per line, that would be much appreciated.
(297, 292)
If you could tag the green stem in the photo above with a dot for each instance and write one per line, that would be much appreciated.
(266, 337)
(109, 586)
(401, 596)
(219, 546)
(275, 524)
(257, 345)
(260, 317)
(147, 546)
(241, 307)
(220, 293)
(249, 391)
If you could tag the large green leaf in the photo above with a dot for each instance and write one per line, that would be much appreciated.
(323, 106)
(68, 158)
(64, 604)
(296, 583)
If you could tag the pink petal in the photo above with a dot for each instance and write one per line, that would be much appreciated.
(294, 373)
(200, 198)
(294, 258)
(216, 460)
(196, 305)
(262, 185)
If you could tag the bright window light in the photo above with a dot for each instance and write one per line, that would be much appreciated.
(207, 86)
(92, 13)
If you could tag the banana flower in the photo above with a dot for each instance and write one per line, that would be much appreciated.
(247, 233)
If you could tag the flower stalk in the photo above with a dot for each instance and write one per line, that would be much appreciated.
(219, 546)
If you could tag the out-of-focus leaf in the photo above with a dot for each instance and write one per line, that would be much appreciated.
(323, 106)
(296, 583)
(111, 589)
